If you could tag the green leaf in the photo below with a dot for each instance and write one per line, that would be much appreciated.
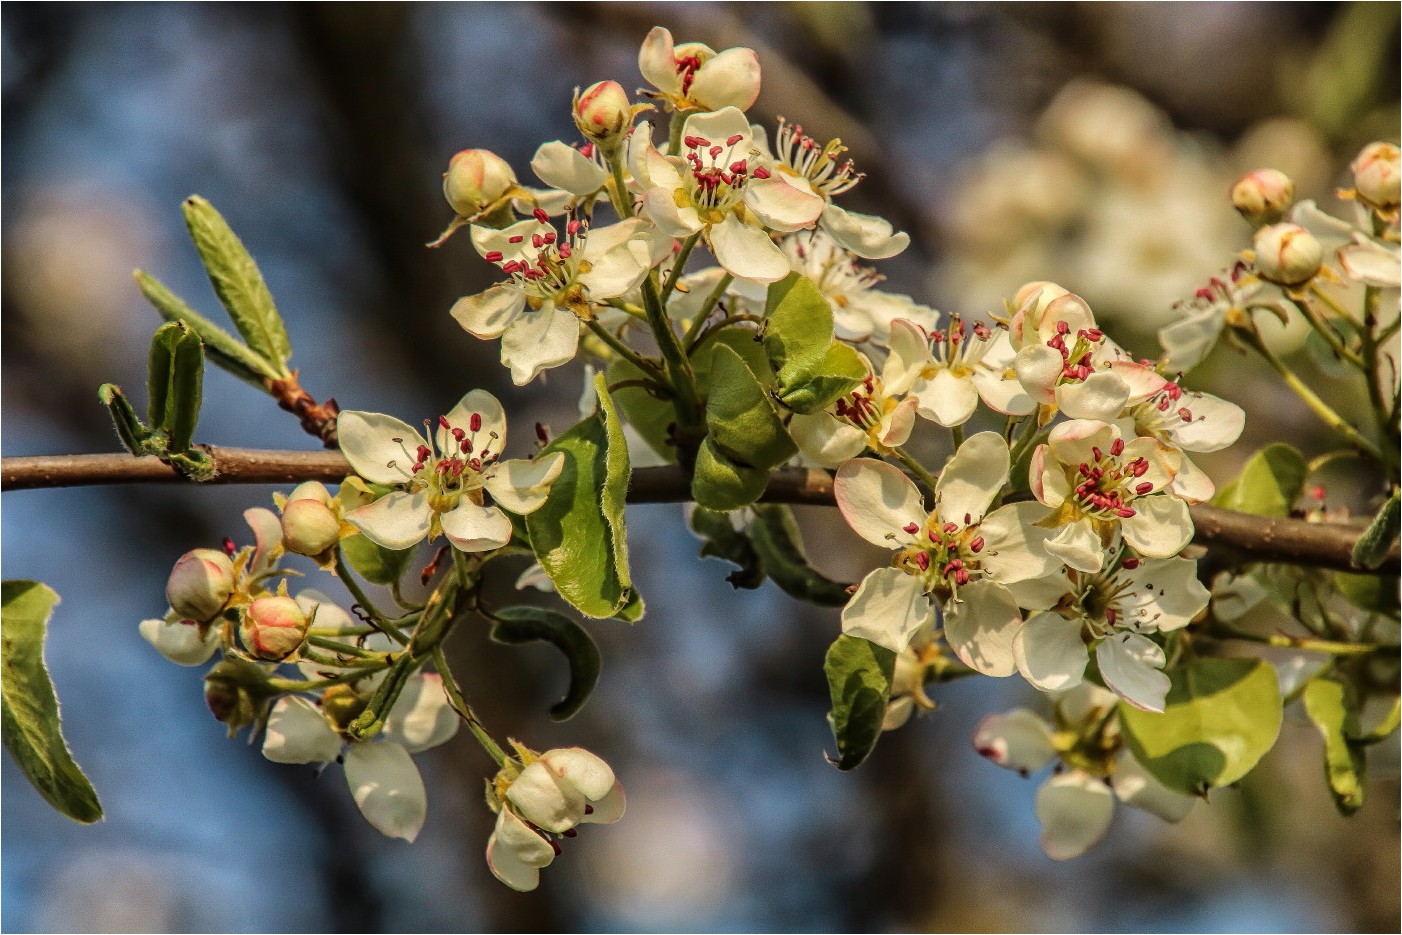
(1326, 703)
(859, 679)
(516, 625)
(224, 349)
(780, 546)
(1371, 547)
(719, 483)
(798, 328)
(743, 341)
(238, 283)
(1377, 593)
(373, 562)
(840, 369)
(33, 731)
(1221, 717)
(175, 374)
(579, 535)
(135, 436)
(652, 417)
(722, 540)
(1269, 484)
(740, 417)
(160, 362)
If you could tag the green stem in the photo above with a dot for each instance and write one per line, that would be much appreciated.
(678, 266)
(1332, 647)
(956, 434)
(647, 367)
(312, 656)
(464, 710)
(377, 619)
(1327, 332)
(311, 685)
(687, 401)
(345, 649)
(674, 133)
(627, 308)
(694, 333)
(340, 631)
(1383, 414)
(618, 194)
(915, 468)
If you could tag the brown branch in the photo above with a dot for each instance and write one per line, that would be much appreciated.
(1253, 538)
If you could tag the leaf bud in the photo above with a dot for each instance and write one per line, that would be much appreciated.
(1376, 174)
(1287, 254)
(273, 628)
(475, 179)
(309, 527)
(603, 113)
(200, 584)
(237, 693)
(1262, 196)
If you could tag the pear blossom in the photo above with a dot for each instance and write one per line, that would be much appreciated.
(443, 483)
(959, 553)
(540, 803)
(693, 76)
(383, 779)
(860, 311)
(716, 187)
(949, 371)
(1377, 176)
(576, 170)
(1063, 357)
(1188, 341)
(1100, 485)
(554, 285)
(908, 680)
(867, 417)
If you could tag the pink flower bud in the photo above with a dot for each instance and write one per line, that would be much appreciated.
(1262, 197)
(273, 628)
(309, 527)
(237, 693)
(1376, 174)
(603, 113)
(200, 584)
(476, 178)
(1287, 254)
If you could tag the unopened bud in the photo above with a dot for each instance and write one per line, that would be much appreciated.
(1262, 197)
(200, 584)
(310, 490)
(1287, 254)
(603, 113)
(273, 628)
(309, 527)
(475, 179)
(237, 693)
(1376, 174)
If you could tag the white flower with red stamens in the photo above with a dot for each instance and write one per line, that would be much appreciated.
(577, 171)
(1063, 356)
(860, 311)
(717, 186)
(959, 553)
(555, 282)
(693, 76)
(1188, 341)
(949, 371)
(1115, 612)
(867, 417)
(452, 483)
(1099, 484)
(542, 803)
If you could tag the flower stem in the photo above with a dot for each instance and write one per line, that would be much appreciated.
(915, 468)
(678, 265)
(687, 401)
(1333, 647)
(618, 191)
(694, 333)
(464, 710)
(956, 434)
(290, 686)
(1327, 332)
(647, 367)
(377, 619)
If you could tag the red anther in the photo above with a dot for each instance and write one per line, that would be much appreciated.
(444, 424)
(570, 832)
(587, 150)
(458, 434)
(1144, 488)
(541, 433)
(1139, 467)
(761, 172)
(911, 528)
(457, 467)
(493, 256)
(475, 422)
(1164, 404)
(1063, 328)
(734, 139)
(1125, 512)
(475, 464)
(229, 545)
(573, 227)
(922, 560)
(1097, 453)
(465, 446)
(954, 563)
(537, 241)
(968, 519)
(516, 238)
(565, 251)
(1084, 469)
(1318, 492)
(551, 237)
(961, 577)
(716, 151)
(540, 215)
(691, 141)
(1204, 293)
(1110, 616)
(1117, 447)
(1093, 334)
(588, 809)
(1174, 391)
(976, 545)
(418, 466)
(950, 527)
(422, 453)
(1131, 563)
(1185, 414)
(738, 167)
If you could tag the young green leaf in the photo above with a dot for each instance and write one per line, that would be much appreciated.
(840, 370)
(516, 625)
(1326, 703)
(780, 546)
(135, 437)
(224, 349)
(859, 679)
(798, 328)
(33, 731)
(1371, 547)
(719, 483)
(375, 563)
(238, 283)
(722, 540)
(186, 391)
(160, 362)
(1269, 484)
(741, 419)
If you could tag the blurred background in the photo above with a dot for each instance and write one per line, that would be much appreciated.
(1090, 144)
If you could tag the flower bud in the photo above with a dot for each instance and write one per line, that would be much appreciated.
(200, 584)
(310, 490)
(273, 628)
(475, 179)
(237, 693)
(603, 113)
(309, 527)
(1262, 197)
(1287, 254)
(1376, 174)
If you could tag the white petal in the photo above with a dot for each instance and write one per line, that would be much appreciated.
(544, 801)
(731, 79)
(1134, 785)
(538, 341)
(387, 787)
(1041, 593)
(866, 235)
(1164, 461)
(879, 502)
(395, 521)
(421, 717)
(724, 123)
(1075, 811)
(657, 61)
(1216, 423)
(180, 642)
(522, 486)
(1000, 394)
(980, 626)
(1015, 547)
(566, 168)
(488, 408)
(896, 425)
(298, 733)
(1160, 527)
(1037, 368)
(948, 399)
(615, 272)
(909, 352)
(368, 440)
(781, 206)
(971, 479)
(1130, 663)
(1077, 545)
(267, 536)
(888, 608)
(1075, 442)
(1018, 740)
(515, 853)
(1188, 341)
(1192, 484)
(1161, 594)
(826, 440)
(898, 712)
(474, 528)
(579, 768)
(1099, 396)
(607, 810)
(1050, 652)
(487, 314)
(1369, 263)
(513, 241)
(747, 252)
(673, 220)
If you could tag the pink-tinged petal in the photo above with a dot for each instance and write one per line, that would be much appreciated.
(487, 314)
(180, 641)
(516, 854)
(1015, 547)
(1131, 665)
(388, 789)
(1160, 527)
(523, 486)
(781, 206)
(267, 536)
(873, 312)
(474, 528)
(539, 341)
(658, 63)
(731, 79)
(1075, 811)
(492, 417)
(513, 242)
(1143, 381)
(395, 521)
(868, 236)
(910, 351)
(1134, 785)
(566, 168)
(879, 502)
(971, 479)
(1187, 342)
(1215, 423)
(1051, 653)
(1008, 397)
(1069, 308)
(896, 425)
(544, 801)
(1037, 368)
(826, 440)
(747, 252)
(948, 399)
(1160, 594)
(1164, 461)
(578, 767)
(422, 718)
(1192, 484)
(379, 448)
(888, 609)
(298, 733)
(1047, 478)
(1075, 442)
(1018, 740)
(1078, 545)
(1099, 396)
(980, 625)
